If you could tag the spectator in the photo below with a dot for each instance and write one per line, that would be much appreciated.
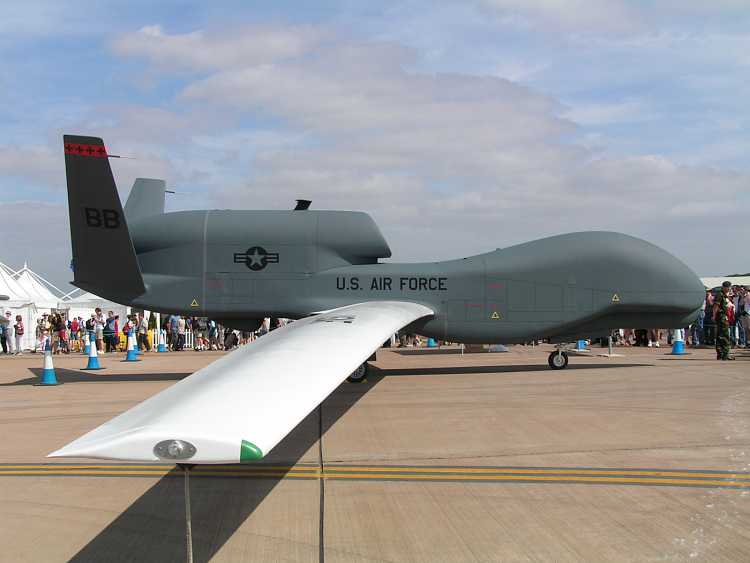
(265, 326)
(696, 329)
(74, 335)
(173, 332)
(723, 315)
(99, 328)
(709, 325)
(743, 313)
(181, 326)
(654, 337)
(18, 330)
(3, 329)
(62, 335)
(739, 308)
(91, 326)
(110, 340)
(8, 332)
(213, 342)
(143, 343)
(199, 332)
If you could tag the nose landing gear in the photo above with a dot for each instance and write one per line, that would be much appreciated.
(558, 359)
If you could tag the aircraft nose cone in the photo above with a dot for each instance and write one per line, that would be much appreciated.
(680, 287)
(652, 281)
(661, 281)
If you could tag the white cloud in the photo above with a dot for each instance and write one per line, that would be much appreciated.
(463, 163)
(627, 111)
(194, 51)
(602, 17)
(39, 231)
(39, 165)
(570, 15)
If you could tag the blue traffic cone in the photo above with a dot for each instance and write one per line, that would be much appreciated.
(93, 362)
(48, 375)
(132, 355)
(431, 343)
(581, 345)
(162, 344)
(678, 344)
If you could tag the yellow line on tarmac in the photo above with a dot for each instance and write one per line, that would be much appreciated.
(137, 466)
(534, 471)
(369, 474)
(400, 473)
(203, 469)
(559, 479)
(156, 473)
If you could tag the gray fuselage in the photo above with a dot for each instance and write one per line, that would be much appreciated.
(240, 265)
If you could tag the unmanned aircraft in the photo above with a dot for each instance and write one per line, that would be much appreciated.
(326, 269)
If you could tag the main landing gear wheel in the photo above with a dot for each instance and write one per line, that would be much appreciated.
(558, 360)
(358, 375)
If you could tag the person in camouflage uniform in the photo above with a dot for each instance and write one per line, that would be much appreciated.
(721, 314)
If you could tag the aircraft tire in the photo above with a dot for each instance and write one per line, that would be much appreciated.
(558, 363)
(359, 375)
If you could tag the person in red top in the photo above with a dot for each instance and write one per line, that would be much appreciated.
(74, 335)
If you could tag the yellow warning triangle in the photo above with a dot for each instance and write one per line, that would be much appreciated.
(495, 315)
(615, 298)
(194, 303)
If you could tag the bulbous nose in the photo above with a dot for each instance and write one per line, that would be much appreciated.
(654, 279)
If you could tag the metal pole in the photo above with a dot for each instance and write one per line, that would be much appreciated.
(188, 521)
(609, 344)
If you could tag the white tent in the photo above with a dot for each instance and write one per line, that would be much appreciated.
(716, 281)
(37, 288)
(85, 303)
(10, 287)
(18, 303)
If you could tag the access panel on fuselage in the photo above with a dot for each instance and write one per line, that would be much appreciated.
(254, 259)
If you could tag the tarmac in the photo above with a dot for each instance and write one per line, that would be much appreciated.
(437, 457)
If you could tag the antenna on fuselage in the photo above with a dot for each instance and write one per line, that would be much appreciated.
(302, 204)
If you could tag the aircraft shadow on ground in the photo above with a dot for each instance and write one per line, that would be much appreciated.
(457, 370)
(99, 376)
(153, 527)
(431, 351)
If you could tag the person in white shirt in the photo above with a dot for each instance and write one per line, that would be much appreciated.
(143, 342)
(181, 333)
(19, 329)
(101, 320)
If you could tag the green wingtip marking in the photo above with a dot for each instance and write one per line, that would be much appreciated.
(249, 452)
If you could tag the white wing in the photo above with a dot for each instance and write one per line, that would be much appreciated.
(242, 405)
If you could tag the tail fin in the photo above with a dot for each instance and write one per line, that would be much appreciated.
(146, 199)
(104, 260)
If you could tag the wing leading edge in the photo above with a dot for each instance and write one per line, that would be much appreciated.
(239, 407)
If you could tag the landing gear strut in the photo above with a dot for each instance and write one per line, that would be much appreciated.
(558, 359)
(188, 520)
(360, 374)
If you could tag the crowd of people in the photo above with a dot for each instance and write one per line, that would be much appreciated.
(63, 335)
(723, 322)
(11, 333)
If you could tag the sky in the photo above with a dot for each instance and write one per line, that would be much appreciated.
(461, 127)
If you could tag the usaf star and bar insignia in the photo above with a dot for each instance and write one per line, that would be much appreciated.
(256, 258)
